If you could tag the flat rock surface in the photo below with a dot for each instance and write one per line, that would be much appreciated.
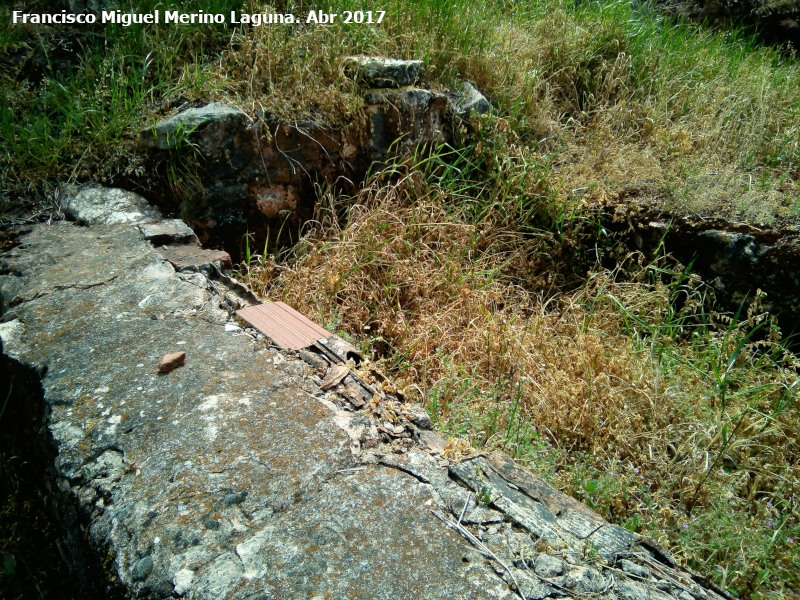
(172, 132)
(168, 231)
(380, 72)
(226, 478)
(95, 204)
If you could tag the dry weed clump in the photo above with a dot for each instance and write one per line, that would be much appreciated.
(677, 422)
(429, 294)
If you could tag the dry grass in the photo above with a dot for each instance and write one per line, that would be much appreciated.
(633, 106)
(624, 391)
(629, 105)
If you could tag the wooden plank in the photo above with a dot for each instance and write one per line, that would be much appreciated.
(283, 325)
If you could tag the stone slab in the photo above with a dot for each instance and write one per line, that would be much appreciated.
(193, 257)
(96, 205)
(168, 231)
(175, 131)
(228, 477)
(380, 72)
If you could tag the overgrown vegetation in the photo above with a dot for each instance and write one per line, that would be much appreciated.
(73, 99)
(637, 109)
(472, 275)
(675, 421)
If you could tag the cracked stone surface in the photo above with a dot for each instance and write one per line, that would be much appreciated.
(93, 204)
(236, 476)
(226, 477)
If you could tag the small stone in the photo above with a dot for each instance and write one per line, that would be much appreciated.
(393, 429)
(232, 328)
(142, 568)
(548, 566)
(626, 589)
(183, 581)
(530, 588)
(433, 440)
(170, 362)
(634, 569)
(582, 581)
(419, 416)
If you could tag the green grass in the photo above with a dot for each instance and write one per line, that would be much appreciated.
(78, 113)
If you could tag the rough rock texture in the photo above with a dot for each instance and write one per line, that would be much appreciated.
(172, 133)
(191, 257)
(228, 478)
(469, 100)
(29, 483)
(735, 259)
(237, 476)
(379, 72)
(94, 204)
(168, 231)
(258, 174)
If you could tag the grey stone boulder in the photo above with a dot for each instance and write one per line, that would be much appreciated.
(734, 258)
(216, 119)
(97, 205)
(378, 72)
(168, 231)
(469, 100)
(634, 569)
(548, 566)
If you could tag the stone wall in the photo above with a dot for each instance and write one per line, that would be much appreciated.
(237, 476)
(256, 174)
